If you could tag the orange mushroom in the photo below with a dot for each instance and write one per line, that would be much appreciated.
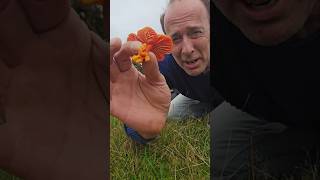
(159, 44)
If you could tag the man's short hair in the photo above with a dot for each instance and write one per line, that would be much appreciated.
(206, 3)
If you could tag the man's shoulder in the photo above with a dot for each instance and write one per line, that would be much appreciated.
(167, 62)
(169, 67)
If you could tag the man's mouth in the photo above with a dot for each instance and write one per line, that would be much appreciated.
(191, 62)
(262, 10)
(259, 3)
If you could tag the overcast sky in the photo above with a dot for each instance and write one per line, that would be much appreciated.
(128, 16)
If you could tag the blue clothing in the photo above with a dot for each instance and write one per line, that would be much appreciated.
(134, 135)
(194, 87)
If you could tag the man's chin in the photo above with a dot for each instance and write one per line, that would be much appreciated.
(267, 41)
(195, 72)
(268, 37)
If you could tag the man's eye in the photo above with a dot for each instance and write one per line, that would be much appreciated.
(176, 39)
(196, 33)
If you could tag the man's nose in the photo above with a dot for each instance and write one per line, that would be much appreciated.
(187, 48)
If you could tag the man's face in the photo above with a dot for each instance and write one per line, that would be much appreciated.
(267, 22)
(187, 22)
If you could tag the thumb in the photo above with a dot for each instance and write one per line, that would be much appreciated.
(151, 70)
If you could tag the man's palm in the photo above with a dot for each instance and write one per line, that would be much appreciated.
(140, 101)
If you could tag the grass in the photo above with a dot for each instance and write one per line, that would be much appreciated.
(181, 152)
(6, 176)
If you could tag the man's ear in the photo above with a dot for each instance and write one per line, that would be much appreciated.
(162, 23)
(44, 15)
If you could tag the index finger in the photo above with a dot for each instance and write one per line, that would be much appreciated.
(122, 57)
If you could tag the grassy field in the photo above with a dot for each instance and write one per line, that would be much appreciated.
(181, 152)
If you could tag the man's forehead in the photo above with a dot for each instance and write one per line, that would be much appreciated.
(185, 5)
(184, 11)
(187, 29)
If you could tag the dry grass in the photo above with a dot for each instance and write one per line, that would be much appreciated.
(181, 152)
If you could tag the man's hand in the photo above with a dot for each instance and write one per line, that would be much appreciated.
(140, 101)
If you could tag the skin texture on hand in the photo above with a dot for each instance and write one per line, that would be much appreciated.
(53, 92)
(140, 101)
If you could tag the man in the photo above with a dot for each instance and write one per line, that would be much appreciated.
(52, 93)
(263, 64)
(186, 69)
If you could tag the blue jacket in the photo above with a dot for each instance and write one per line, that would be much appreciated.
(194, 87)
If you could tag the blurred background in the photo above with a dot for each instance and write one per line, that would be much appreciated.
(128, 16)
(92, 15)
